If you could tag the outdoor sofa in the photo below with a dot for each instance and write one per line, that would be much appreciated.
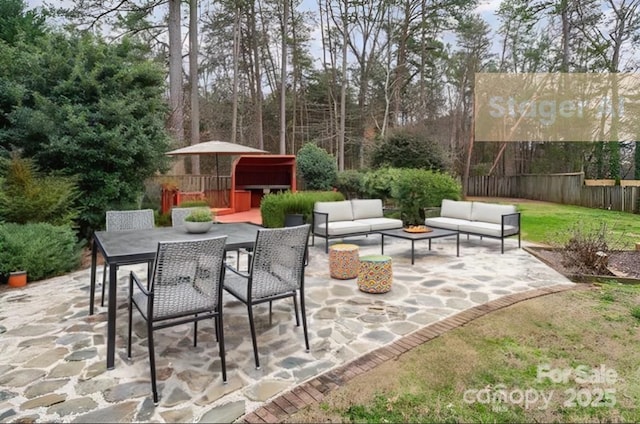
(478, 218)
(349, 218)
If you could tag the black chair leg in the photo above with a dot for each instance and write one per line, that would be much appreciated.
(304, 321)
(295, 307)
(195, 333)
(253, 336)
(152, 363)
(130, 316)
(223, 363)
(270, 313)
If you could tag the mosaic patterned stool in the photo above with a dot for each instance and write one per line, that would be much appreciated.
(344, 261)
(376, 274)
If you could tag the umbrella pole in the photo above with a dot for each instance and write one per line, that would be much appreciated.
(217, 183)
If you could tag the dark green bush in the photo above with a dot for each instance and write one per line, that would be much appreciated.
(316, 167)
(409, 149)
(275, 206)
(41, 249)
(416, 189)
(28, 197)
(349, 183)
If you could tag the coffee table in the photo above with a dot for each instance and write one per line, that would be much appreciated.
(434, 233)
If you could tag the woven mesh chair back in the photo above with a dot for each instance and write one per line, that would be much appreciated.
(178, 215)
(278, 260)
(187, 276)
(140, 219)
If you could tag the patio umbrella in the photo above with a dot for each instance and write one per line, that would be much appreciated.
(216, 148)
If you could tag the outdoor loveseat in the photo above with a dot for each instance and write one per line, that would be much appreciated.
(349, 218)
(478, 218)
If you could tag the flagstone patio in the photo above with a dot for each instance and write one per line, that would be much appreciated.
(52, 354)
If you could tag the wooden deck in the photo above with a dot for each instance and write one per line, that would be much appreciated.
(252, 215)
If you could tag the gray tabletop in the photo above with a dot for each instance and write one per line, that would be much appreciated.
(141, 245)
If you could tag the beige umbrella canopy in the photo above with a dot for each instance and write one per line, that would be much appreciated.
(216, 148)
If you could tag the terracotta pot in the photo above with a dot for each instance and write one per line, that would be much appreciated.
(17, 279)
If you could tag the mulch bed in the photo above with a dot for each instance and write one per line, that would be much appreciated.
(624, 264)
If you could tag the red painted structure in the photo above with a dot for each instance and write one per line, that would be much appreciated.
(254, 176)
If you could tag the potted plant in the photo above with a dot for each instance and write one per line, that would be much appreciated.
(17, 279)
(11, 269)
(200, 220)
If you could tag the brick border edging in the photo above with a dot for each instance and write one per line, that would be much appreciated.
(316, 388)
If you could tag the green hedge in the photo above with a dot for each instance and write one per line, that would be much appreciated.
(41, 249)
(275, 206)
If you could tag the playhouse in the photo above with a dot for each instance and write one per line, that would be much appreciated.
(254, 176)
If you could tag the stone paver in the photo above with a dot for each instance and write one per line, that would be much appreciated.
(52, 354)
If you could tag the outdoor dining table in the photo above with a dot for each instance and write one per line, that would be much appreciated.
(139, 246)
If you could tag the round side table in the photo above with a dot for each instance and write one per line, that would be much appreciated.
(376, 274)
(344, 261)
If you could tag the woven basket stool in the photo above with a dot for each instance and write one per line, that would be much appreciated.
(376, 274)
(344, 261)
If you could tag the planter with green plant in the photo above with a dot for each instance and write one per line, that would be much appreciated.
(200, 220)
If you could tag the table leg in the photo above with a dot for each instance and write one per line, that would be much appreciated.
(458, 244)
(412, 251)
(429, 244)
(92, 283)
(111, 316)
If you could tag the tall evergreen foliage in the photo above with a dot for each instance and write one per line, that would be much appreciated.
(317, 167)
(89, 109)
(403, 149)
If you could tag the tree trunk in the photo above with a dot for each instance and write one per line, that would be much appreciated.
(283, 80)
(193, 82)
(176, 117)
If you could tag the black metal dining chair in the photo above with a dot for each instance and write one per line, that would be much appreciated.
(140, 219)
(185, 287)
(276, 271)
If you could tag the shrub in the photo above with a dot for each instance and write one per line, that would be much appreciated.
(406, 149)
(349, 183)
(162, 219)
(416, 189)
(317, 167)
(377, 184)
(28, 197)
(41, 249)
(587, 249)
(275, 206)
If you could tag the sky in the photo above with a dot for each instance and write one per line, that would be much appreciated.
(486, 9)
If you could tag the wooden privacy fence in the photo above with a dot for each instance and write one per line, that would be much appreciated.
(570, 189)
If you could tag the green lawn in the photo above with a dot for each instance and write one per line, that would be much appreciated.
(552, 224)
